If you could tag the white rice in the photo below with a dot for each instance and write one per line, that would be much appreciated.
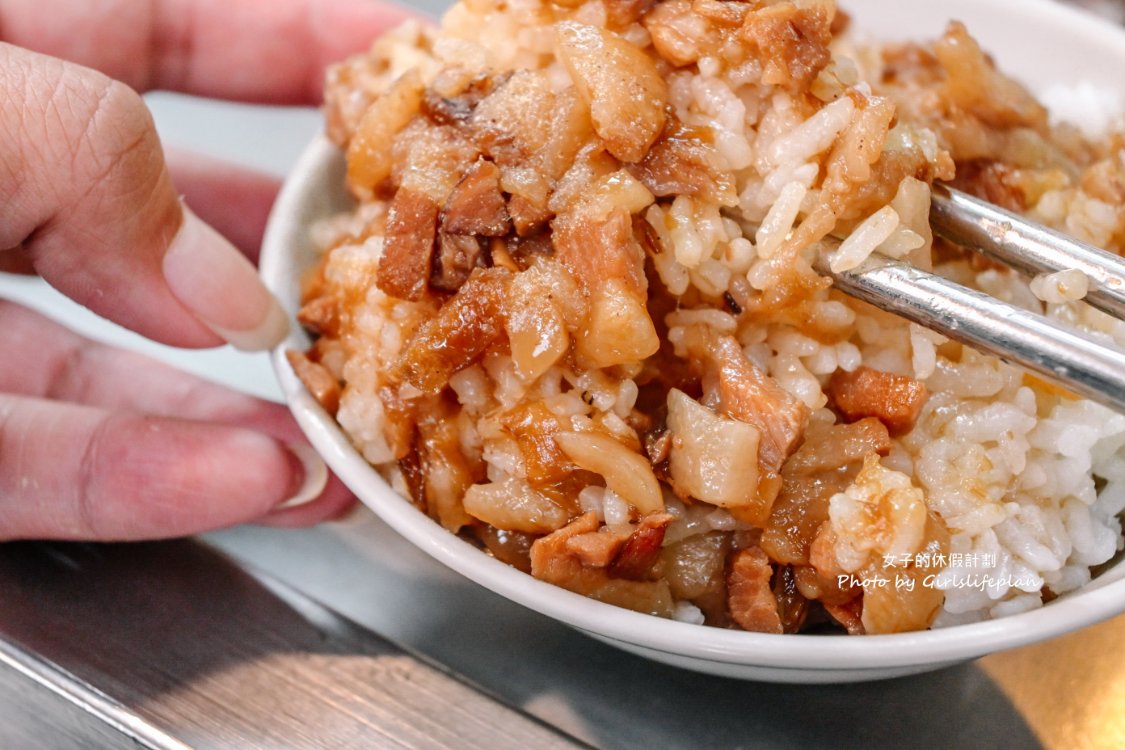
(873, 232)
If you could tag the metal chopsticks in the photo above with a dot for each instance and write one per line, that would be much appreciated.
(1025, 246)
(1070, 357)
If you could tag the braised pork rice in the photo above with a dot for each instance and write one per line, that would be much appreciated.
(573, 316)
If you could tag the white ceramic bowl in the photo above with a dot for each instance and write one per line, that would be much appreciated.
(1050, 48)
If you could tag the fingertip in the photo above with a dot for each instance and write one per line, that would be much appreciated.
(89, 203)
(354, 512)
(334, 501)
(77, 472)
(267, 334)
(313, 475)
(210, 277)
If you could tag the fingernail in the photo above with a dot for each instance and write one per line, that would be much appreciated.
(315, 477)
(209, 276)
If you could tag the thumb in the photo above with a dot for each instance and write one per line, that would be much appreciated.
(89, 201)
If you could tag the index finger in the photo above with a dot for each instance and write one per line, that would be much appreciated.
(270, 51)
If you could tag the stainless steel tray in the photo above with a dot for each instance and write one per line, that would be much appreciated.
(173, 645)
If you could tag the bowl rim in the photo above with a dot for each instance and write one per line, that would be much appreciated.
(288, 223)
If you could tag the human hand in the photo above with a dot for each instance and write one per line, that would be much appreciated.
(97, 443)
